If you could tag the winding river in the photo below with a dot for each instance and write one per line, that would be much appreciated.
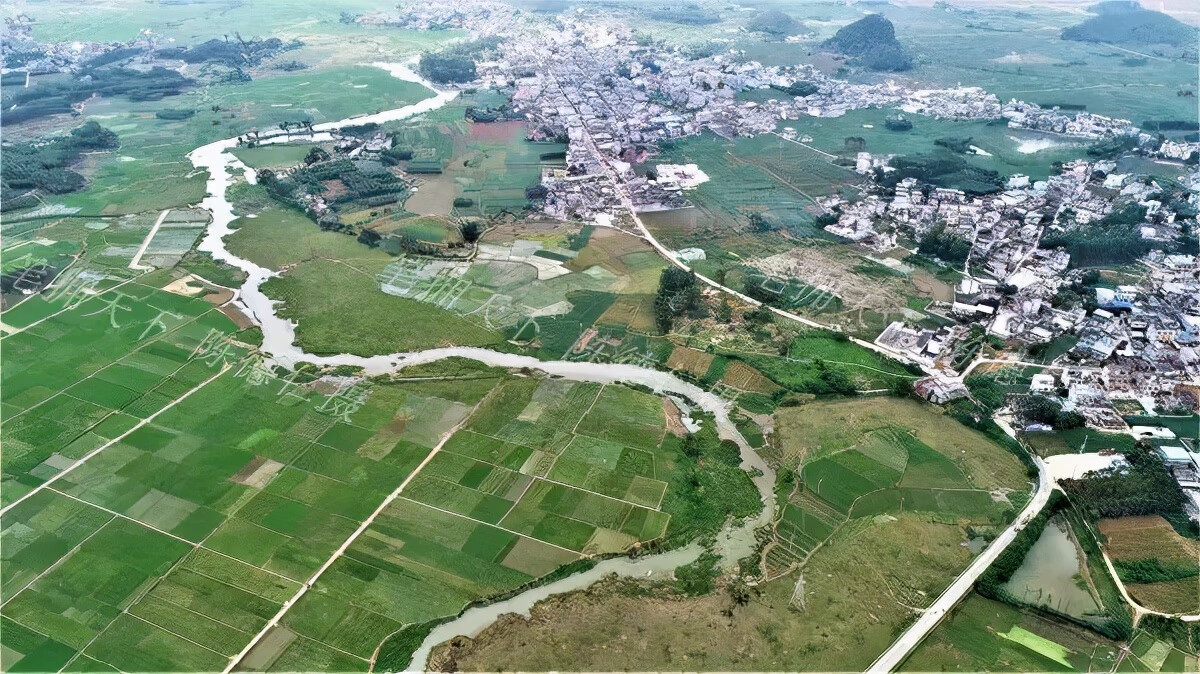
(279, 346)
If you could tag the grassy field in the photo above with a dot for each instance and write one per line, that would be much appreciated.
(1047, 69)
(277, 236)
(862, 459)
(120, 20)
(879, 482)
(798, 368)
(241, 490)
(1182, 426)
(280, 156)
(517, 284)
(866, 578)
(1001, 143)
(520, 490)
(1077, 440)
(150, 170)
(817, 429)
(73, 382)
(246, 491)
(340, 309)
(766, 175)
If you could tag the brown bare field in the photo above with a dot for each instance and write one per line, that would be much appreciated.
(674, 418)
(690, 360)
(745, 378)
(1130, 538)
(834, 269)
(434, 196)
(496, 132)
(257, 472)
(536, 558)
(1133, 538)
(241, 320)
(931, 286)
(334, 188)
(626, 256)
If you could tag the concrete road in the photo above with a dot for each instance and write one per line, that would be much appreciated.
(962, 585)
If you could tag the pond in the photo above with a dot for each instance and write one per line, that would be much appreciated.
(1050, 575)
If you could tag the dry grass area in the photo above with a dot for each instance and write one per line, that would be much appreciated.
(834, 269)
(1130, 538)
(1177, 596)
(822, 427)
(1134, 538)
(931, 286)
(858, 592)
(628, 257)
(635, 311)
(745, 378)
(690, 360)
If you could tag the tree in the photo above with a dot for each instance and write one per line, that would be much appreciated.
(835, 379)
(369, 237)
(1040, 410)
(739, 592)
(471, 230)
(759, 223)
(725, 313)
(316, 155)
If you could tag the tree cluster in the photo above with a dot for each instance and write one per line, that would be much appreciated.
(871, 42)
(232, 53)
(942, 169)
(688, 14)
(1114, 239)
(1145, 488)
(1039, 409)
(944, 245)
(678, 295)
(1116, 622)
(56, 97)
(44, 165)
(1126, 22)
(1153, 570)
(774, 23)
(455, 64)
(797, 88)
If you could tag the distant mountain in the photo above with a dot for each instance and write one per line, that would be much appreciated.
(774, 22)
(1127, 22)
(871, 42)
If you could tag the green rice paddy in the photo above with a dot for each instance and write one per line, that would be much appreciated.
(171, 547)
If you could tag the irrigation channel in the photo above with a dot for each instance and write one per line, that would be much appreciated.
(279, 347)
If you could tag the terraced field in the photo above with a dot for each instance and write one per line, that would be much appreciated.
(882, 460)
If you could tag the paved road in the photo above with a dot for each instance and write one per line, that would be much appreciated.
(962, 585)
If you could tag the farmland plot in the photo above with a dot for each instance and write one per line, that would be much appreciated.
(877, 463)
(523, 487)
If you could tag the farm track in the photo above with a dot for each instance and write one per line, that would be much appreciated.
(362, 527)
(87, 457)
